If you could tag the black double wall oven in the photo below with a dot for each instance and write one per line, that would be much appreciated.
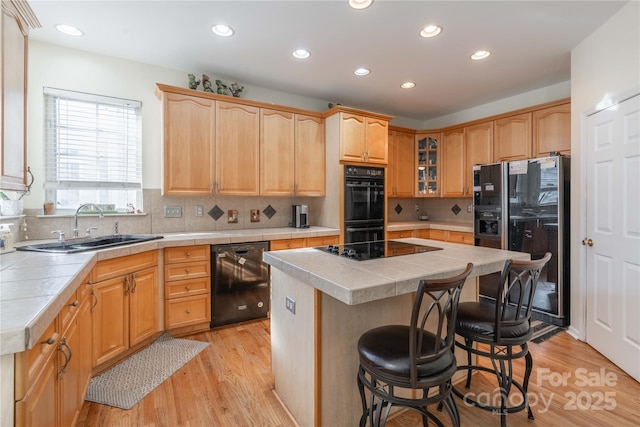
(363, 204)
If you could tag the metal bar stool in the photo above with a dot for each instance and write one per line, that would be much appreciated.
(506, 329)
(400, 361)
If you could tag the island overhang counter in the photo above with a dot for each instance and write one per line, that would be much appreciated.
(321, 304)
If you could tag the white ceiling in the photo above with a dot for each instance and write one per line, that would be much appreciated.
(531, 43)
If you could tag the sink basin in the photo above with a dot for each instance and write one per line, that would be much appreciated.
(89, 243)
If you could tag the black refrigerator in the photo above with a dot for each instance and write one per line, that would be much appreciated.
(535, 219)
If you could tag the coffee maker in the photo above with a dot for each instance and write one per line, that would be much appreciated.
(300, 216)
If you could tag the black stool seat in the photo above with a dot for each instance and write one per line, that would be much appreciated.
(478, 320)
(386, 350)
(400, 364)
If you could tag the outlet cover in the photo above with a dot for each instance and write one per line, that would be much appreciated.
(173, 211)
(290, 304)
(199, 210)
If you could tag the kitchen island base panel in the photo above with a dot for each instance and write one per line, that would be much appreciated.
(329, 329)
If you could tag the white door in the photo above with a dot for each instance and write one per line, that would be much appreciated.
(613, 234)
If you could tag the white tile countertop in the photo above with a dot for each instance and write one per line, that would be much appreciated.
(354, 282)
(34, 286)
(428, 225)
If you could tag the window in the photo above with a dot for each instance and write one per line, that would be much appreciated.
(93, 149)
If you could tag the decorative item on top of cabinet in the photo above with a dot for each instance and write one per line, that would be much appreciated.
(187, 289)
(17, 18)
(362, 136)
(427, 160)
(512, 138)
(552, 130)
(400, 181)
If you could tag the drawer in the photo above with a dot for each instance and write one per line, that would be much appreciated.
(277, 245)
(30, 362)
(187, 270)
(438, 234)
(187, 254)
(187, 311)
(322, 241)
(399, 234)
(69, 311)
(461, 237)
(423, 233)
(184, 288)
(124, 265)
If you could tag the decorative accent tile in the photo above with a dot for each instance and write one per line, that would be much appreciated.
(232, 216)
(255, 215)
(398, 209)
(269, 211)
(456, 209)
(215, 212)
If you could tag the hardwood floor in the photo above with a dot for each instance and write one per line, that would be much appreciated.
(230, 384)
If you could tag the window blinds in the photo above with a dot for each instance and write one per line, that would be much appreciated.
(91, 141)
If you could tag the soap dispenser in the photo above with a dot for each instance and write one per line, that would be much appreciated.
(6, 238)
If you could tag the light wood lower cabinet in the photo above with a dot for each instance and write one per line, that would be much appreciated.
(400, 234)
(308, 242)
(125, 310)
(51, 378)
(451, 236)
(187, 287)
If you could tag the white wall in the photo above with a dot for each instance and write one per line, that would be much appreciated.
(606, 64)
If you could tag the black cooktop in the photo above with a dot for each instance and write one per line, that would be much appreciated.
(376, 249)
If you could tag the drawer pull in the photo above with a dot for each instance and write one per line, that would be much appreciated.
(188, 254)
(186, 270)
(188, 311)
(50, 341)
(187, 288)
(74, 304)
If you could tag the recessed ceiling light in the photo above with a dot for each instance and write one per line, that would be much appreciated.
(69, 30)
(362, 71)
(408, 85)
(430, 31)
(222, 30)
(481, 54)
(360, 4)
(301, 53)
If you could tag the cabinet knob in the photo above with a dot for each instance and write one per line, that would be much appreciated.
(186, 270)
(187, 288)
(188, 254)
(74, 304)
(49, 341)
(188, 311)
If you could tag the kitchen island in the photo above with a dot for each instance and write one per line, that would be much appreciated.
(322, 303)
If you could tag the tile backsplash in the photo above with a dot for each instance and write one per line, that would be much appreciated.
(438, 209)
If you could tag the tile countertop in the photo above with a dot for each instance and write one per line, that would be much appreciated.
(34, 286)
(423, 225)
(354, 282)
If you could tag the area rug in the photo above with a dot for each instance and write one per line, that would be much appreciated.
(124, 385)
(543, 331)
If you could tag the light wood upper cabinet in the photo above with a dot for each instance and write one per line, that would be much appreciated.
(310, 156)
(277, 153)
(237, 148)
(427, 165)
(400, 182)
(552, 130)
(453, 163)
(513, 138)
(363, 139)
(14, 41)
(188, 124)
(478, 150)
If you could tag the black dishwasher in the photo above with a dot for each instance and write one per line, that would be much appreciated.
(240, 289)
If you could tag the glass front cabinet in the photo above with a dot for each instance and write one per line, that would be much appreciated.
(427, 161)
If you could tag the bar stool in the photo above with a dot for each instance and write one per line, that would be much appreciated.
(417, 357)
(503, 328)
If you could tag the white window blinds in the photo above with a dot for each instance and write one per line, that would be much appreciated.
(92, 149)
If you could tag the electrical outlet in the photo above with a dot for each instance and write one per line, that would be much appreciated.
(469, 208)
(290, 304)
(417, 207)
(199, 210)
(173, 211)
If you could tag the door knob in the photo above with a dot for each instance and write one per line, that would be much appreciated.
(587, 242)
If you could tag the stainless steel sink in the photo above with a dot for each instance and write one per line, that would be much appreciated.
(89, 243)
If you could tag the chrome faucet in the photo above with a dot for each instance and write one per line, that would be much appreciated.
(75, 217)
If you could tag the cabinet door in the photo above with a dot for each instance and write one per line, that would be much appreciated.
(552, 130)
(188, 124)
(352, 137)
(427, 160)
(13, 78)
(39, 406)
(377, 139)
(478, 149)
(85, 341)
(110, 320)
(513, 138)
(237, 149)
(143, 305)
(453, 167)
(400, 167)
(277, 159)
(69, 375)
(310, 155)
